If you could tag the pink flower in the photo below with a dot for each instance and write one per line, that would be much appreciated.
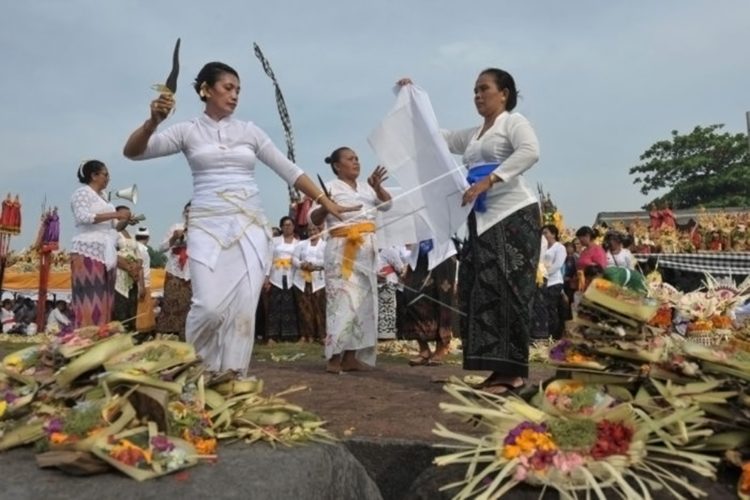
(521, 473)
(567, 461)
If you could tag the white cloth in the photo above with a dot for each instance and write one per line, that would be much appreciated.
(390, 264)
(7, 319)
(93, 240)
(282, 255)
(409, 142)
(56, 319)
(228, 235)
(307, 253)
(511, 142)
(173, 265)
(126, 248)
(438, 253)
(623, 258)
(145, 264)
(352, 303)
(221, 321)
(554, 259)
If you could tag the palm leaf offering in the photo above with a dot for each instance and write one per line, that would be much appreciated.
(143, 453)
(146, 410)
(623, 451)
(16, 392)
(684, 373)
(152, 357)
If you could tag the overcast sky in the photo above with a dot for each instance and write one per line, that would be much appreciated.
(600, 82)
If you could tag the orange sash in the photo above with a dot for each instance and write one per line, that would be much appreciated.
(353, 234)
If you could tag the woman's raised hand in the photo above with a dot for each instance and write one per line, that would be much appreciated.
(378, 176)
(161, 107)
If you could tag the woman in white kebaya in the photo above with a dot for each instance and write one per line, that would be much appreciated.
(497, 275)
(281, 315)
(228, 235)
(351, 261)
(309, 286)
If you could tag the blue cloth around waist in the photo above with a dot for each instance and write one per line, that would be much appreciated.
(476, 174)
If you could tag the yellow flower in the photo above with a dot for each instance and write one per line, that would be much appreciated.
(13, 362)
(3, 407)
(178, 409)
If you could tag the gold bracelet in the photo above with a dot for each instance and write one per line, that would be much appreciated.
(317, 198)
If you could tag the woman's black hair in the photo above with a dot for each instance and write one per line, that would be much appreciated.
(504, 80)
(210, 74)
(284, 219)
(587, 231)
(87, 170)
(552, 229)
(335, 157)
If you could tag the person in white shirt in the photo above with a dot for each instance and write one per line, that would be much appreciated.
(554, 259)
(309, 286)
(497, 275)
(93, 253)
(129, 287)
(58, 317)
(7, 316)
(145, 321)
(390, 267)
(351, 264)
(177, 289)
(617, 255)
(228, 234)
(281, 312)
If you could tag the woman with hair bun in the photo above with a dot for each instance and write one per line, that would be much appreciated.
(497, 274)
(93, 252)
(228, 235)
(351, 258)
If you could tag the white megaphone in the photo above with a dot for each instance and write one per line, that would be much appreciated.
(130, 194)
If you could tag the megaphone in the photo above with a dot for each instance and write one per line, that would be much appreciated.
(130, 194)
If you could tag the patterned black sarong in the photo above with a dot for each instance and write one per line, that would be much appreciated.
(497, 284)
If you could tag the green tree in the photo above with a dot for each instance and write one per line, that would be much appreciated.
(158, 259)
(707, 167)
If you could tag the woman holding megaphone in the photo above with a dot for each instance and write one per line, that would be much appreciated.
(93, 258)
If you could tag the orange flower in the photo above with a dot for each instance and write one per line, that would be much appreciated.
(745, 478)
(205, 446)
(58, 438)
(721, 321)
(511, 451)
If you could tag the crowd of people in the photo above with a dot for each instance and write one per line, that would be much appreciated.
(19, 314)
(226, 272)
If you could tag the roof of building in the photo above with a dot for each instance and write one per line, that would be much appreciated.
(683, 216)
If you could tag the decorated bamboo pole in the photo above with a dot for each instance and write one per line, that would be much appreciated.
(47, 242)
(10, 224)
(295, 199)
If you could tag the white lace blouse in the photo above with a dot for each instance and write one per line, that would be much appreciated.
(96, 241)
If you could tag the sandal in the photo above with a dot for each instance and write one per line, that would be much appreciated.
(419, 361)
